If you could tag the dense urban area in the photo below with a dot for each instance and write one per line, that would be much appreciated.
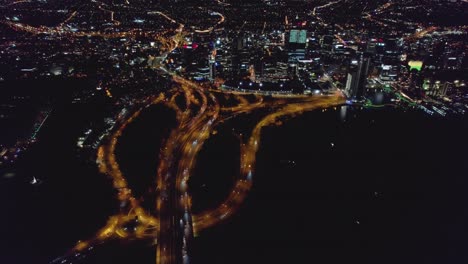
(79, 78)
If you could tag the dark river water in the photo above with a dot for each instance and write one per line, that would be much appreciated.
(340, 186)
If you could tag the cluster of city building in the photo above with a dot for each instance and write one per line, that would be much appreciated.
(413, 51)
(308, 50)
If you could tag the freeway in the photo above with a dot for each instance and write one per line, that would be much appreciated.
(174, 226)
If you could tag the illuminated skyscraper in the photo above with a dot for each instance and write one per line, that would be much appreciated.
(297, 45)
(357, 76)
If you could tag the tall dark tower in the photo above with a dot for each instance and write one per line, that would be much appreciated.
(357, 76)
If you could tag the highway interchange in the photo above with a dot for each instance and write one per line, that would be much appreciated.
(174, 225)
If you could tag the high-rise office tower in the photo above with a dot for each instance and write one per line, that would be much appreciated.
(212, 65)
(357, 76)
(297, 45)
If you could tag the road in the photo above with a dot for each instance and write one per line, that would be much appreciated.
(174, 225)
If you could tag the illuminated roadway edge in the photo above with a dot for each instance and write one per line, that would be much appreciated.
(175, 225)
